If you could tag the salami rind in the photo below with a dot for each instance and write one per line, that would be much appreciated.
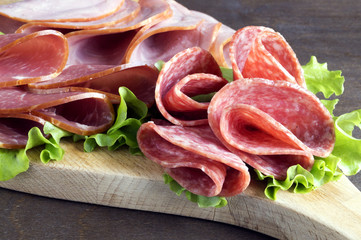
(28, 58)
(176, 74)
(262, 120)
(195, 158)
(260, 52)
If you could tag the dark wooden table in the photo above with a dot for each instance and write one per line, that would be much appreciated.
(328, 29)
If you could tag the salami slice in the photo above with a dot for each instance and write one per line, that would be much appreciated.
(195, 158)
(220, 48)
(73, 109)
(127, 12)
(14, 129)
(260, 52)
(108, 45)
(65, 10)
(271, 125)
(140, 79)
(189, 73)
(27, 58)
(184, 29)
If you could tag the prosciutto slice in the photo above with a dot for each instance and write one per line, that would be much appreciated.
(108, 45)
(28, 58)
(184, 29)
(73, 109)
(65, 10)
(140, 79)
(194, 158)
(189, 73)
(260, 52)
(271, 125)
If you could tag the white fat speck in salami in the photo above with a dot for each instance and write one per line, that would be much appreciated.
(267, 122)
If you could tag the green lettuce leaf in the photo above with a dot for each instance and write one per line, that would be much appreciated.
(1, 33)
(16, 161)
(319, 79)
(131, 113)
(202, 201)
(227, 73)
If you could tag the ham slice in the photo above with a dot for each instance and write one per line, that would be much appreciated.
(260, 52)
(184, 29)
(108, 45)
(28, 58)
(14, 129)
(194, 158)
(140, 79)
(271, 125)
(73, 109)
(61, 11)
(189, 73)
(127, 12)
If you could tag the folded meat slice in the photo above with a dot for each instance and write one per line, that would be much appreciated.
(260, 52)
(108, 45)
(189, 73)
(127, 12)
(76, 110)
(27, 58)
(14, 129)
(271, 125)
(140, 79)
(220, 48)
(65, 10)
(184, 29)
(195, 158)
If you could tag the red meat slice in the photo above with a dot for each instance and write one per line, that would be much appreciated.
(195, 158)
(189, 73)
(271, 125)
(27, 58)
(260, 52)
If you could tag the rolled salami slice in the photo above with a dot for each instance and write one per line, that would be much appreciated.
(76, 110)
(260, 52)
(195, 158)
(271, 125)
(127, 12)
(14, 129)
(61, 11)
(184, 29)
(140, 79)
(28, 58)
(189, 73)
(220, 48)
(108, 45)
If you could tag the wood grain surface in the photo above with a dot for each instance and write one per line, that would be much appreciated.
(326, 29)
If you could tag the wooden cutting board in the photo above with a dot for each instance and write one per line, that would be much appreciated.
(120, 179)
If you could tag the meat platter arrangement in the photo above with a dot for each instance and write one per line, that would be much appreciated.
(217, 114)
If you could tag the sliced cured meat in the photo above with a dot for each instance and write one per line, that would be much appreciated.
(260, 52)
(140, 79)
(27, 58)
(8, 25)
(195, 158)
(184, 29)
(189, 73)
(61, 11)
(127, 12)
(271, 125)
(73, 109)
(108, 45)
(220, 48)
(14, 129)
